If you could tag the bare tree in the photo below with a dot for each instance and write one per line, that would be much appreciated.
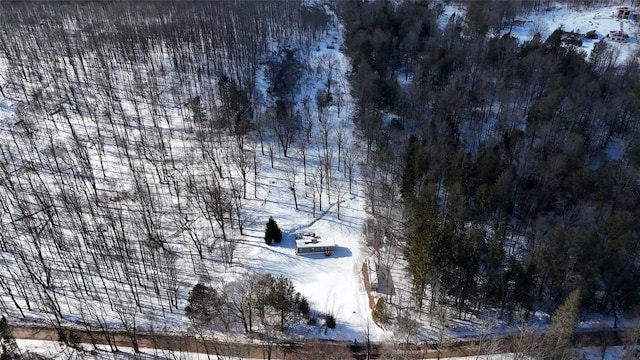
(291, 174)
(308, 127)
(341, 135)
(271, 152)
(127, 316)
(630, 337)
(285, 124)
(302, 149)
(328, 64)
(256, 169)
(526, 343)
(341, 193)
(242, 158)
(349, 165)
(241, 301)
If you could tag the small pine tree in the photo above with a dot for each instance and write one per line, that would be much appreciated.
(303, 307)
(272, 232)
(330, 321)
(8, 343)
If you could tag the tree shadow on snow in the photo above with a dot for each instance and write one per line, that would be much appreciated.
(288, 240)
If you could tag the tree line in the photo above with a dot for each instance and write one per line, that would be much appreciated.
(257, 304)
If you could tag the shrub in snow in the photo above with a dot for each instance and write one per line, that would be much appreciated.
(330, 321)
(379, 312)
(272, 232)
(303, 307)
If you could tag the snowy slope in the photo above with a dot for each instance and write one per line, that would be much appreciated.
(333, 285)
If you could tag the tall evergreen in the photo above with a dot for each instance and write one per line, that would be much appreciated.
(421, 227)
(272, 233)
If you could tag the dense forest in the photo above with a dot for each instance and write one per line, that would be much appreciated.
(516, 182)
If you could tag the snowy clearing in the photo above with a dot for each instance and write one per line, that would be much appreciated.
(601, 20)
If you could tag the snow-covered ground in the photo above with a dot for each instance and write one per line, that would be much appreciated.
(53, 350)
(602, 20)
(333, 285)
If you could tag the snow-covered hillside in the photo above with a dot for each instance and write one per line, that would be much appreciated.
(333, 284)
(117, 206)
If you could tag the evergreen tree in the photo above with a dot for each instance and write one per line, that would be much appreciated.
(420, 235)
(272, 232)
(204, 303)
(563, 326)
(8, 342)
(303, 306)
(412, 168)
